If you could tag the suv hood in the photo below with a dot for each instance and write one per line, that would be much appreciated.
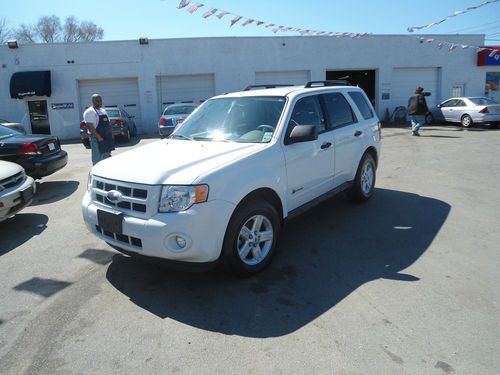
(172, 161)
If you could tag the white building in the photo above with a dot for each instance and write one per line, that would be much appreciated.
(144, 77)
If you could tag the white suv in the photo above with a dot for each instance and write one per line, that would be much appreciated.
(16, 189)
(218, 190)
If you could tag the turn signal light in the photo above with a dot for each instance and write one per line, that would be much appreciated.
(163, 121)
(29, 148)
(83, 125)
(119, 122)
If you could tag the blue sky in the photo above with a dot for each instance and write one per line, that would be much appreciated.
(157, 19)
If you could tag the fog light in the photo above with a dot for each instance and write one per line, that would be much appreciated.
(181, 242)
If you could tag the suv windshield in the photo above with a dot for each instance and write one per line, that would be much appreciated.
(6, 132)
(179, 110)
(248, 119)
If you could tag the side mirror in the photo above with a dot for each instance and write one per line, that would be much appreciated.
(302, 133)
(439, 105)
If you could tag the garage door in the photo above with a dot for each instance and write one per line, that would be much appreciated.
(406, 80)
(123, 92)
(293, 77)
(194, 88)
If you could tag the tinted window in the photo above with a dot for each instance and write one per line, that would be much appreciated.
(339, 110)
(307, 111)
(361, 102)
(450, 103)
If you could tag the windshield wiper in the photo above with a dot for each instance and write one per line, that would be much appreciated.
(180, 136)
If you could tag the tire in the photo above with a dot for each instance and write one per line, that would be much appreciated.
(86, 143)
(127, 136)
(429, 119)
(251, 238)
(364, 182)
(466, 121)
(494, 125)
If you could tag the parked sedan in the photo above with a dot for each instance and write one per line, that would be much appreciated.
(39, 155)
(172, 116)
(467, 111)
(123, 125)
(16, 189)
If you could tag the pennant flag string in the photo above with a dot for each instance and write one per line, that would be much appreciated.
(452, 46)
(455, 14)
(274, 28)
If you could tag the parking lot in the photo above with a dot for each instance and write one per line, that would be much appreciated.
(405, 284)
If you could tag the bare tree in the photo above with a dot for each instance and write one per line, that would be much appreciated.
(89, 31)
(49, 28)
(25, 34)
(5, 31)
(71, 30)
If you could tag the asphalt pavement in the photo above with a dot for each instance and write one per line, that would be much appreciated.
(404, 284)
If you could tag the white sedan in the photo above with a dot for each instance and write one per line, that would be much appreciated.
(16, 189)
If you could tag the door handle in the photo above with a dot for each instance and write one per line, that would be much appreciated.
(326, 145)
(358, 133)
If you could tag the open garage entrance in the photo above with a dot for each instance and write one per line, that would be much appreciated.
(362, 78)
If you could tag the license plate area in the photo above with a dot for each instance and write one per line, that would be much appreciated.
(51, 147)
(110, 221)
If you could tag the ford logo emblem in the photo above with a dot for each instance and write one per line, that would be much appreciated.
(114, 196)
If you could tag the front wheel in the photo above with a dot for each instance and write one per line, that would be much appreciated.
(251, 238)
(429, 119)
(466, 121)
(364, 182)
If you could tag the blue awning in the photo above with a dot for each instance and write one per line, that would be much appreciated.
(35, 83)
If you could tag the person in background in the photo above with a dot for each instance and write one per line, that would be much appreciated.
(101, 131)
(417, 109)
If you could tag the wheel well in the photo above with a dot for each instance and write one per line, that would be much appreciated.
(266, 194)
(373, 152)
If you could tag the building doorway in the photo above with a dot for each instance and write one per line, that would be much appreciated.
(39, 117)
(362, 78)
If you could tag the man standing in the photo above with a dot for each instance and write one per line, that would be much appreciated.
(101, 131)
(417, 109)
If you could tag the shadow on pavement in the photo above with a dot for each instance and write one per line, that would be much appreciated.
(325, 255)
(20, 229)
(53, 191)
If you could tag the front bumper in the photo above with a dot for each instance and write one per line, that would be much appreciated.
(45, 165)
(155, 236)
(12, 202)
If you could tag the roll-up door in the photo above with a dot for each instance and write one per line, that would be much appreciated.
(194, 88)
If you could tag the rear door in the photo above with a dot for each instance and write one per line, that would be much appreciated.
(348, 134)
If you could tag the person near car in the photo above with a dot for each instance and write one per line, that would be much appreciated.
(417, 109)
(101, 131)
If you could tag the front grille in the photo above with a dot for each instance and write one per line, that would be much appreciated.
(129, 240)
(11, 182)
(134, 198)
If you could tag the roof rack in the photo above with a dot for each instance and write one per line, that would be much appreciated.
(267, 86)
(332, 82)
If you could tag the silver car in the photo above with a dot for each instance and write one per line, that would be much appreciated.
(467, 111)
(172, 116)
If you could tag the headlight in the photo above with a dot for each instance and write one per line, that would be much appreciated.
(89, 182)
(180, 198)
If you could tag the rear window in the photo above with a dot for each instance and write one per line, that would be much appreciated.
(6, 132)
(113, 112)
(339, 110)
(363, 105)
(482, 101)
(179, 110)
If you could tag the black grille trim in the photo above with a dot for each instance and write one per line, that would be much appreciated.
(129, 240)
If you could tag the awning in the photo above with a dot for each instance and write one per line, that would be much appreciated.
(30, 84)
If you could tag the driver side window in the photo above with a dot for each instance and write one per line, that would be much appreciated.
(449, 103)
(307, 111)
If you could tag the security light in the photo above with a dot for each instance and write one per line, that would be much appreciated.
(143, 41)
(12, 43)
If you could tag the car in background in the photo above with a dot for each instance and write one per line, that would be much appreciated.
(39, 155)
(172, 116)
(16, 189)
(467, 111)
(13, 125)
(123, 125)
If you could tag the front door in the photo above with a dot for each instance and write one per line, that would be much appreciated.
(39, 117)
